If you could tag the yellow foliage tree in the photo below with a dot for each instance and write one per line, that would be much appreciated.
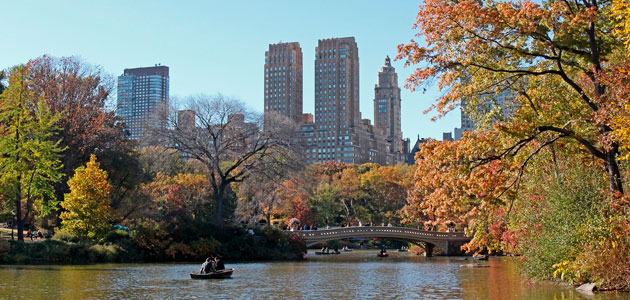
(621, 14)
(87, 211)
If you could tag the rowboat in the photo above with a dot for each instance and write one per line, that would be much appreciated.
(385, 254)
(222, 274)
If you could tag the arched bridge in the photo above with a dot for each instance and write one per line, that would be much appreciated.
(450, 242)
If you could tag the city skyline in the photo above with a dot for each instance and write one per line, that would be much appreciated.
(216, 47)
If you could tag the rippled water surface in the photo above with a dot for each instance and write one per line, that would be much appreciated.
(354, 275)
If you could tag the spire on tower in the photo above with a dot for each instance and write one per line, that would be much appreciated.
(388, 62)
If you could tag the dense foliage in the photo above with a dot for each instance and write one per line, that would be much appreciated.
(329, 194)
(543, 175)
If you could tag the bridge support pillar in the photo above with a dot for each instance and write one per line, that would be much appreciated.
(454, 249)
(428, 249)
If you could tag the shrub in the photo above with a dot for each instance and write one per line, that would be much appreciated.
(5, 248)
(558, 220)
(116, 236)
(58, 252)
(64, 236)
(179, 252)
(203, 248)
(297, 245)
(105, 253)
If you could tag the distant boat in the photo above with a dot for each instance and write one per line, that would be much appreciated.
(222, 274)
(402, 249)
(382, 254)
(346, 249)
(480, 257)
(327, 253)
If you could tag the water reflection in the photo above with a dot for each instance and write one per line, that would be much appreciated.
(359, 275)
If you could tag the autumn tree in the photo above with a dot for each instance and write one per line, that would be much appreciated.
(178, 197)
(29, 155)
(295, 194)
(79, 93)
(621, 17)
(86, 208)
(452, 185)
(228, 139)
(158, 159)
(258, 196)
(387, 188)
(547, 56)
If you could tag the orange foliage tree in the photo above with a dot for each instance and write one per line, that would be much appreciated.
(453, 184)
(546, 56)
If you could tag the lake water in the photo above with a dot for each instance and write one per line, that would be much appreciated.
(350, 275)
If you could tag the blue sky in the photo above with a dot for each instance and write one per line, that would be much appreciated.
(219, 46)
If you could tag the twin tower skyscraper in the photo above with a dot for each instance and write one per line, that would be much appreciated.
(337, 133)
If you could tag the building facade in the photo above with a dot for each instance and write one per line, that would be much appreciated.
(387, 104)
(140, 92)
(283, 80)
(337, 132)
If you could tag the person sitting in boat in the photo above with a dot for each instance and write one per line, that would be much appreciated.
(207, 267)
(218, 264)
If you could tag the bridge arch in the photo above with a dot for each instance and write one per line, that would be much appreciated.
(450, 242)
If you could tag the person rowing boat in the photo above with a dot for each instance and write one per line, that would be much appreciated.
(208, 266)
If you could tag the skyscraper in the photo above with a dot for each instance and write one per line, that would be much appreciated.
(338, 133)
(337, 84)
(387, 108)
(336, 101)
(140, 92)
(283, 80)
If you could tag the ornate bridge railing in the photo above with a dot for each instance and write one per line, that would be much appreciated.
(445, 240)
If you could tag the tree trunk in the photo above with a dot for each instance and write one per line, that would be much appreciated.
(18, 208)
(218, 199)
(614, 176)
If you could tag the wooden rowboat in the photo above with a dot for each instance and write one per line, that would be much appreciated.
(222, 274)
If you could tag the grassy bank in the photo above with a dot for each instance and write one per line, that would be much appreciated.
(146, 245)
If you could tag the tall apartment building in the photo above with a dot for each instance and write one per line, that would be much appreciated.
(387, 109)
(332, 136)
(337, 83)
(337, 132)
(140, 92)
(283, 80)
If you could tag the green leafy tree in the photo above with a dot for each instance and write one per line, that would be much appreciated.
(88, 214)
(327, 204)
(3, 77)
(29, 156)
